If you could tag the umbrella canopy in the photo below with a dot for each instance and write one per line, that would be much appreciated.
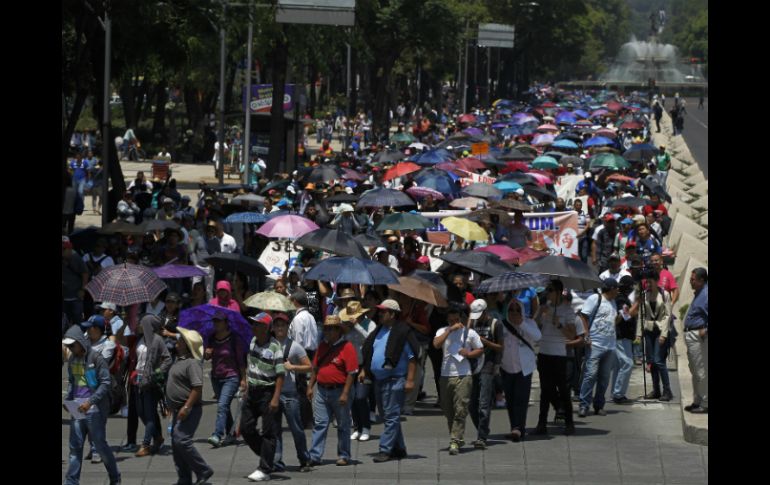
(545, 162)
(484, 263)
(85, 239)
(404, 221)
(252, 199)
(352, 270)
(511, 204)
(532, 151)
(486, 214)
(597, 141)
(505, 253)
(349, 174)
(542, 140)
(467, 203)
(608, 160)
(548, 128)
(419, 146)
(540, 193)
(439, 182)
(431, 278)
(525, 119)
(270, 301)
(575, 161)
(564, 143)
(628, 202)
(606, 133)
(343, 197)
(482, 190)
(620, 178)
(402, 138)
(287, 227)
(432, 157)
(384, 157)
(158, 225)
(369, 241)
(642, 152)
(176, 271)
(466, 229)
(467, 118)
(416, 288)
(121, 227)
(528, 254)
(279, 185)
(423, 192)
(471, 163)
(512, 281)
(507, 186)
(631, 125)
(125, 284)
(573, 273)
(200, 319)
(473, 131)
(247, 217)
(656, 188)
(325, 173)
(332, 241)
(401, 169)
(384, 198)
(234, 262)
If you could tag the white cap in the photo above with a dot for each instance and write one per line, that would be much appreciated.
(68, 341)
(348, 190)
(346, 208)
(108, 306)
(588, 175)
(291, 189)
(520, 191)
(389, 305)
(477, 308)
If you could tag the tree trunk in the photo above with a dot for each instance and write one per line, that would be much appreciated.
(381, 80)
(278, 61)
(126, 91)
(312, 98)
(141, 101)
(72, 121)
(159, 119)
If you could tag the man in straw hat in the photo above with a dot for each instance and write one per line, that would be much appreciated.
(184, 389)
(334, 367)
(358, 327)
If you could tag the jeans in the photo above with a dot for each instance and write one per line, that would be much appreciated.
(325, 403)
(553, 387)
(656, 355)
(74, 311)
(225, 390)
(291, 409)
(256, 404)
(360, 407)
(147, 409)
(94, 425)
(599, 363)
(480, 409)
(390, 397)
(516, 388)
(187, 459)
(624, 364)
(411, 398)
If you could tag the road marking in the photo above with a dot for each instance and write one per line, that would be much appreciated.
(699, 122)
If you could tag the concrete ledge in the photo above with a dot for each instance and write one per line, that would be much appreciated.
(701, 189)
(687, 247)
(683, 224)
(702, 203)
(695, 178)
(693, 170)
(679, 207)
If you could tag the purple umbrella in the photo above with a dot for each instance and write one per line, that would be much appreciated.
(599, 112)
(473, 131)
(175, 271)
(526, 119)
(353, 175)
(544, 139)
(497, 126)
(200, 319)
(423, 192)
(288, 227)
(125, 284)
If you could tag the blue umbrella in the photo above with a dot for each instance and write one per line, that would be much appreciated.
(597, 141)
(564, 144)
(512, 131)
(580, 113)
(353, 271)
(507, 186)
(247, 217)
(432, 157)
(566, 117)
(200, 319)
(442, 183)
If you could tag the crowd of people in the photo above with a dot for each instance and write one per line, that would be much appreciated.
(354, 354)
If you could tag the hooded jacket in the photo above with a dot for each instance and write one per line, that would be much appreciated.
(100, 397)
(230, 304)
(158, 356)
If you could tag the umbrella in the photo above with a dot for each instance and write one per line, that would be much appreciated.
(555, 155)
(640, 153)
(384, 157)
(417, 289)
(174, 271)
(199, 318)
(158, 225)
(516, 154)
(423, 192)
(515, 205)
(632, 202)
(608, 160)
(349, 174)
(121, 227)
(620, 178)
(402, 137)
(234, 262)
(507, 186)
(548, 127)
(84, 240)
(288, 227)
(520, 178)
(247, 217)
(125, 284)
(342, 197)
(564, 143)
(542, 140)
(431, 278)
(401, 169)
(332, 241)
(484, 263)
(384, 198)
(598, 141)
(440, 182)
(539, 193)
(512, 281)
(631, 125)
(473, 131)
(575, 161)
(404, 221)
(471, 163)
(325, 173)
(252, 199)
(281, 184)
(419, 146)
(528, 254)
(468, 230)
(545, 162)
(598, 113)
(526, 119)
(505, 253)
(270, 301)
(482, 214)
(573, 273)
(656, 188)
(432, 157)
(369, 241)
(482, 190)
(352, 270)
(606, 133)
(466, 118)
(467, 203)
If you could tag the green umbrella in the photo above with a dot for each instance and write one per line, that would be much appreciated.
(402, 137)
(608, 160)
(545, 162)
(402, 221)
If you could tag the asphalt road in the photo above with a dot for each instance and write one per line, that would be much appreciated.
(696, 132)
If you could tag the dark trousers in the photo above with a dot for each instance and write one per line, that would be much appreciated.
(575, 369)
(436, 357)
(553, 387)
(262, 442)
(360, 407)
(657, 124)
(132, 422)
(516, 388)
(480, 407)
(656, 357)
(187, 460)
(147, 408)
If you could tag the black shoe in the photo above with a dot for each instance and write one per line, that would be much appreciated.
(381, 457)
(691, 407)
(205, 476)
(600, 412)
(398, 453)
(653, 395)
(305, 467)
(421, 396)
(666, 396)
(699, 410)
(313, 463)
(540, 430)
(569, 429)
(621, 400)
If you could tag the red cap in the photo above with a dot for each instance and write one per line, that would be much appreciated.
(281, 316)
(262, 318)
(609, 218)
(423, 260)
(631, 244)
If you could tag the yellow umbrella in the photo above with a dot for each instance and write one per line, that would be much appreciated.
(464, 228)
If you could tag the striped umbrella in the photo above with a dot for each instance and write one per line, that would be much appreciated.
(126, 284)
(512, 281)
(423, 192)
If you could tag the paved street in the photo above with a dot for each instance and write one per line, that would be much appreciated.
(634, 444)
(696, 133)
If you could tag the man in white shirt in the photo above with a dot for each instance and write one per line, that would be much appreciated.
(459, 343)
(119, 330)
(303, 328)
(97, 260)
(227, 242)
(614, 270)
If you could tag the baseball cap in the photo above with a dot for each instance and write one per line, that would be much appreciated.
(281, 316)
(608, 218)
(477, 308)
(627, 220)
(66, 243)
(588, 175)
(262, 318)
(105, 305)
(389, 305)
(423, 260)
(614, 256)
(520, 191)
(94, 321)
(168, 200)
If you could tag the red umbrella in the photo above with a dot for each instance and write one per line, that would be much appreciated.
(471, 163)
(620, 178)
(548, 104)
(614, 106)
(528, 254)
(466, 118)
(401, 169)
(513, 166)
(631, 125)
(505, 253)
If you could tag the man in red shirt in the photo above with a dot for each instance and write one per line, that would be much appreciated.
(655, 205)
(334, 366)
(667, 281)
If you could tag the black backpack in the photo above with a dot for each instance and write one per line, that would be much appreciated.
(94, 266)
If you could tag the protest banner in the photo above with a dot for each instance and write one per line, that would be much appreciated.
(276, 254)
(474, 178)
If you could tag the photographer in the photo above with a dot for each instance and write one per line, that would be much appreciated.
(625, 332)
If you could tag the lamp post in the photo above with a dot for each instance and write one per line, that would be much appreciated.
(106, 120)
(247, 122)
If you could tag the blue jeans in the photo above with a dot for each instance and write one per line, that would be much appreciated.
(656, 355)
(290, 406)
(390, 398)
(147, 409)
(517, 388)
(480, 407)
(599, 363)
(225, 390)
(95, 426)
(624, 364)
(360, 408)
(325, 403)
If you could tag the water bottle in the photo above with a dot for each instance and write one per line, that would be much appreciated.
(170, 430)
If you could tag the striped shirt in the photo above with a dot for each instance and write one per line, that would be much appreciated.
(265, 363)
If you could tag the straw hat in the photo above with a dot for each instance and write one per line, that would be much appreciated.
(332, 321)
(193, 340)
(345, 294)
(352, 310)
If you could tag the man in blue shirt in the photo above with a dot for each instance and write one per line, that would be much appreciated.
(696, 327)
(80, 169)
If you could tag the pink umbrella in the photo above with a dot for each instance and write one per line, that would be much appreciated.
(287, 227)
(528, 254)
(448, 166)
(606, 132)
(540, 178)
(548, 127)
(542, 140)
(423, 192)
(505, 253)
(353, 175)
(471, 163)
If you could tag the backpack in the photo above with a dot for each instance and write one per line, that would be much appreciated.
(94, 266)
(118, 368)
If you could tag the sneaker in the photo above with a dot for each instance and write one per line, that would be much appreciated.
(143, 451)
(342, 462)
(204, 477)
(96, 458)
(381, 457)
(699, 410)
(600, 412)
(229, 440)
(454, 448)
(215, 441)
(364, 436)
(480, 444)
(653, 395)
(421, 396)
(89, 455)
(621, 400)
(583, 412)
(666, 396)
(305, 468)
(355, 435)
(691, 407)
(259, 476)
(129, 448)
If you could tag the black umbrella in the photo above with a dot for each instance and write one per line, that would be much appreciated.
(233, 262)
(343, 197)
(332, 241)
(158, 225)
(325, 173)
(570, 136)
(518, 177)
(628, 202)
(480, 262)
(84, 240)
(385, 157)
(482, 190)
(385, 198)
(539, 193)
(433, 279)
(369, 241)
(575, 161)
(514, 155)
(656, 188)
(573, 273)
(511, 204)
(281, 184)
(227, 187)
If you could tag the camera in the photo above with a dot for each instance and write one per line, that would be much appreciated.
(643, 272)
